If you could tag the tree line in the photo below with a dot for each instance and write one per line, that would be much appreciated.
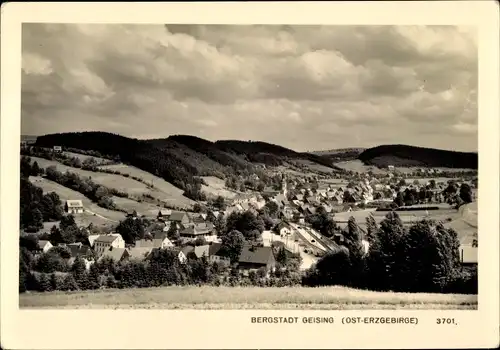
(421, 258)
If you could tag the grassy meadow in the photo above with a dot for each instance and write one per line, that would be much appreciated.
(66, 193)
(217, 187)
(124, 184)
(206, 297)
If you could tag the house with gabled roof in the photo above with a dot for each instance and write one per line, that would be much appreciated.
(187, 251)
(44, 246)
(468, 255)
(74, 206)
(202, 251)
(254, 258)
(212, 215)
(164, 214)
(214, 254)
(197, 230)
(105, 242)
(91, 239)
(79, 249)
(179, 217)
(139, 253)
(116, 254)
(283, 229)
(162, 242)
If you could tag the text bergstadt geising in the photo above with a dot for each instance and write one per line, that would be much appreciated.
(344, 320)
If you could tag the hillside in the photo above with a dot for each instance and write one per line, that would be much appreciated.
(340, 154)
(404, 155)
(180, 159)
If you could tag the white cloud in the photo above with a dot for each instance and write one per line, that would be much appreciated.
(305, 87)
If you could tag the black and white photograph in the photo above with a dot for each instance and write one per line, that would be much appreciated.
(187, 160)
(284, 169)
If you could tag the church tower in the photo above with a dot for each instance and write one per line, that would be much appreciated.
(284, 186)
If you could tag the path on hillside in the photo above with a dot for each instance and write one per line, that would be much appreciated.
(102, 217)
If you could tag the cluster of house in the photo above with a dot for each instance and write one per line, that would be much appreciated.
(190, 226)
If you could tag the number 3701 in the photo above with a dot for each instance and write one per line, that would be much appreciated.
(445, 321)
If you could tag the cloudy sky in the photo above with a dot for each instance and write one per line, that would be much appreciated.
(303, 87)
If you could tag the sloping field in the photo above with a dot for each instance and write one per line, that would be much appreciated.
(156, 181)
(359, 167)
(326, 298)
(407, 217)
(143, 208)
(216, 187)
(83, 157)
(118, 182)
(67, 193)
(314, 167)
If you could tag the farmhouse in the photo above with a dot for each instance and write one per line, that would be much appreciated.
(161, 243)
(139, 253)
(91, 239)
(104, 242)
(179, 217)
(79, 249)
(202, 251)
(254, 258)
(197, 230)
(164, 214)
(283, 229)
(198, 217)
(57, 149)
(74, 206)
(44, 246)
(115, 254)
(468, 255)
(214, 256)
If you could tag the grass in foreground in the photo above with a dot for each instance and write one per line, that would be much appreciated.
(323, 298)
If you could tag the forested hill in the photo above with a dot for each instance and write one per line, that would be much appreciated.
(404, 155)
(180, 158)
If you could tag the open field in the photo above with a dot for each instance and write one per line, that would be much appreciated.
(118, 182)
(463, 221)
(67, 193)
(83, 157)
(412, 169)
(216, 187)
(143, 208)
(326, 298)
(314, 167)
(175, 193)
(359, 167)
(425, 180)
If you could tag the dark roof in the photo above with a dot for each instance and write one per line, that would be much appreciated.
(116, 253)
(177, 216)
(140, 253)
(42, 243)
(78, 249)
(202, 250)
(214, 248)
(187, 249)
(256, 255)
(160, 235)
(147, 243)
(106, 239)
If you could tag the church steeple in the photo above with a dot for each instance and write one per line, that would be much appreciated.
(284, 186)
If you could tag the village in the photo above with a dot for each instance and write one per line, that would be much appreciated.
(293, 202)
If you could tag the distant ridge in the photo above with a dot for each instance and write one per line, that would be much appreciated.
(411, 156)
(181, 159)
